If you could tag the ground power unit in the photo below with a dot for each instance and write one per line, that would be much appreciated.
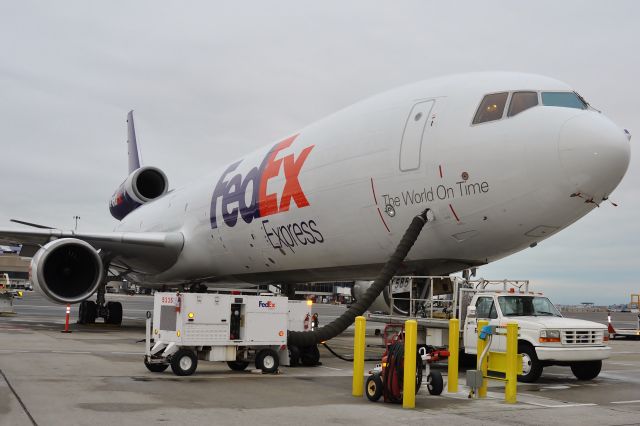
(237, 329)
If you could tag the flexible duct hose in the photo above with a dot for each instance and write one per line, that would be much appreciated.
(337, 326)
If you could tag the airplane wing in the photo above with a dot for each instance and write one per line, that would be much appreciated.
(149, 252)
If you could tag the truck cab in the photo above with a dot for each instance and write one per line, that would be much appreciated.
(545, 336)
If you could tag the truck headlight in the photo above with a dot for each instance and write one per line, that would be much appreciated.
(549, 336)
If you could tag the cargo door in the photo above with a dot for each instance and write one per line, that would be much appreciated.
(416, 131)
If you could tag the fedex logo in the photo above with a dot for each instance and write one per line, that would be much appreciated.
(248, 195)
(268, 304)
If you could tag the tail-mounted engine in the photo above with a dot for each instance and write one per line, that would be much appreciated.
(67, 270)
(143, 185)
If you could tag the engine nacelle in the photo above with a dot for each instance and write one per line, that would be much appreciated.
(67, 270)
(382, 303)
(143, 185)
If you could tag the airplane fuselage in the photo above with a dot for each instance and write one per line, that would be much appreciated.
(333, 200)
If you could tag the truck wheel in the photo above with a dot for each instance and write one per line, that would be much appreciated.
(267, 360)
(184, 362)
(531, 365)
(114, 313)
(238, 365)
(155, 368)
(586, 370)
(310, 356)
(435, 384)
(373, 385)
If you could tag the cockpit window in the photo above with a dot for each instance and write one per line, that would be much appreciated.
(491, 108)
(521, 101)
(563, 99)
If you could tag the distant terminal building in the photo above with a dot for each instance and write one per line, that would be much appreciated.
(16, 267)
(325, 292)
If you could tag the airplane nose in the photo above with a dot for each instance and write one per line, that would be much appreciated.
(594, 153)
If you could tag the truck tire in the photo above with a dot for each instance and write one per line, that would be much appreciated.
(155, 368)
(531, 365)
(310, 356)
(586, 370)
(268, 361)
(238, 365)
(184, 362)
(435, 384)
(373, 387)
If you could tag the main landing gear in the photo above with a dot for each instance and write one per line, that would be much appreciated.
(90, 310)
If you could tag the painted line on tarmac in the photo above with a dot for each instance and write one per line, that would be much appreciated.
(635, 401)
(561, 405)
(24, 407)
(331, 368)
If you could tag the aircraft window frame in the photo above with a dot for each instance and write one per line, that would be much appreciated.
(515, 92)
(476, 115)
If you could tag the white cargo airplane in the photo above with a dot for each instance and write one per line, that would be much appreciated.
(503, 160)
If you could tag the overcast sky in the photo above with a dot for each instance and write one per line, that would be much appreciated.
(210, 81)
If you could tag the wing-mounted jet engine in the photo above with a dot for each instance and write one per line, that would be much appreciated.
(144, 184)
(67, 270)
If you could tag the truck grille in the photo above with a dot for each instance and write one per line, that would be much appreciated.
(582, 337)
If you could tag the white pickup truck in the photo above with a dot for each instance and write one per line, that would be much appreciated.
(545, 338)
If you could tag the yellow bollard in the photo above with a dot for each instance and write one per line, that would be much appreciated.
(409, 380)
(454, 352)
(358, 356)
(512, 363)
(482, 391)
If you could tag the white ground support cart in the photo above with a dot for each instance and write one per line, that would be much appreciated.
(238, 329)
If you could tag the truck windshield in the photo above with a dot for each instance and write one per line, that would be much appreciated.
(519, 306)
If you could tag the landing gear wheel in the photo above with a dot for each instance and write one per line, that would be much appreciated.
(586, 370)
(155, 368)
(435, 384)
(294, 356)
(114, 313)
(531, 366)
(310, 356)
(238, 365)
(267, 360)
(184, 362)
(373, 386)
(87, 312)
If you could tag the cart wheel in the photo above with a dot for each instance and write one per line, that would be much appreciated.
(238, 365)
(267, 360)
(435, 384)
(184, 362)
(155, 368)
(374, 387)
(310, 356)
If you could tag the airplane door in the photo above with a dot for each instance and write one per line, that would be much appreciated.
(415, 132)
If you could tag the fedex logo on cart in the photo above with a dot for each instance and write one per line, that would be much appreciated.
(268, 304)
(236, 197)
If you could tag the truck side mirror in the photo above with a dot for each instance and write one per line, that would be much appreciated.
(471, 311)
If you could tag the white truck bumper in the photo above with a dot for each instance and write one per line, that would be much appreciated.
(592, 353)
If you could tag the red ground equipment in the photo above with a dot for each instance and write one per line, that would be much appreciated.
(386, 378)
